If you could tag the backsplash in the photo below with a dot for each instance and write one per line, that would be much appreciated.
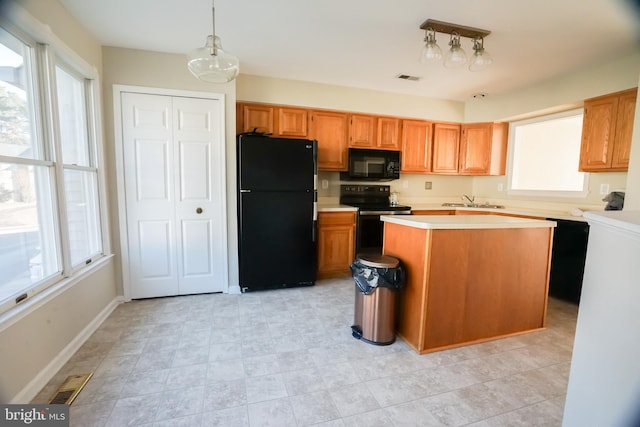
(411, 187)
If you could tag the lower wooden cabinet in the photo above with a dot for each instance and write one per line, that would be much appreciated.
(336, 243)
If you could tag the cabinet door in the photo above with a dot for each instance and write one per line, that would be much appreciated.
(598, 126)
(330, 130)
(258, 117)
(416, 146)
(388, 133)
(336, 243)
(624, 130)
(292, 122)
(475, 149)
(446, 148)
(361, 131)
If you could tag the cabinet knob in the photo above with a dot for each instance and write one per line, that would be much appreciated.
(199, 210)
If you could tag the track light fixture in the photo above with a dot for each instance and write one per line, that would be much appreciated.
(455, 56)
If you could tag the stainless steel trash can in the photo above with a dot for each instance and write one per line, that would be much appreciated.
(375, 300)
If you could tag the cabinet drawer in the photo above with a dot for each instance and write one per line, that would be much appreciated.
(336, 218)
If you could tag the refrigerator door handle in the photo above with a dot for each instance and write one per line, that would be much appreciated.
(314, 232)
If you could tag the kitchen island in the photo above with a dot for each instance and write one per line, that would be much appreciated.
(470, 278)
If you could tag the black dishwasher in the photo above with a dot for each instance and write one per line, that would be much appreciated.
(567, 259)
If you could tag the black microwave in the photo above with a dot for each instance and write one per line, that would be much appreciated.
(372, 165)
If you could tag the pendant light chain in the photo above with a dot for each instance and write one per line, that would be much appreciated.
(214, 50)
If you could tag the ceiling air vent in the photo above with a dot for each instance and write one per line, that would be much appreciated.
(407, 77)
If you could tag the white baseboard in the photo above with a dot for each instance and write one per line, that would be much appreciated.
(31, 390)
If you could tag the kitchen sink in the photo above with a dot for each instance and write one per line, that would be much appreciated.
(473, 205)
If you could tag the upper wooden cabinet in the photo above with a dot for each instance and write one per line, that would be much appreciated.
(483, 149)
(286, 122)
(256, 117)
(291, 122)
(446, 148)
(606, 132)
(416, 146)
(374, 132)
(427, 147)
(388, 133)
(330, 129)
(361, 131)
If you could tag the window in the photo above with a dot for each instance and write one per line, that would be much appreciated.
(50, 216)
(544, 153)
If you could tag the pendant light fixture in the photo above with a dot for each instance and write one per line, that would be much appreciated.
(211, 63)
(456, 56)
(480, 59)
(431, 52)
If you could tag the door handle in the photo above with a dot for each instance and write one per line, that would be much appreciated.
(199, 211)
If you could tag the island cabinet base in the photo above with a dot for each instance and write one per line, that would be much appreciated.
(469, 285)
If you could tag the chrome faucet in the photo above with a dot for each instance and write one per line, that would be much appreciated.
(471, 198)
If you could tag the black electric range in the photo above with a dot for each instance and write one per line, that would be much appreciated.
(374, 198)
(371, 201)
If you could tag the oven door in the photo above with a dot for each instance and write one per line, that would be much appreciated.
(370, 230)
(369, 234)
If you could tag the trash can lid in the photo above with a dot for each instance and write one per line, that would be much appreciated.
(378, 261)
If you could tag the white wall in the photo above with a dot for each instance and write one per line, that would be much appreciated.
(632, 196)
(169, 71)
(563, 93)
(34, 347)
(305, 94)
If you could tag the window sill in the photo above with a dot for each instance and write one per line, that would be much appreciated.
(31, 304)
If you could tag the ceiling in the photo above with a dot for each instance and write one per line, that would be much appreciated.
(366, 43)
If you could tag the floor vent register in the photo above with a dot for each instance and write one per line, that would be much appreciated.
(70, 389)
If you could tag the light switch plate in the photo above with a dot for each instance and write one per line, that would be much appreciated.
(604, 189)
(325, 184)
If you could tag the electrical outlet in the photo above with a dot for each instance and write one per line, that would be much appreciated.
(604, 189)
(405, 183)
(427, 185)
(325, 184)
(500, 187)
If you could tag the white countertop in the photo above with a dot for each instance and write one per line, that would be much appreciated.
(455, 222)
(540, 213)
(626, 220)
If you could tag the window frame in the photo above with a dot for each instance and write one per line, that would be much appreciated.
(46, 52)
(511, 153)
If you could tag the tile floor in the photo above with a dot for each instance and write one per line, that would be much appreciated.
(287, 358)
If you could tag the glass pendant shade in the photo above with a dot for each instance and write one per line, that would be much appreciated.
(212, 64)
(481, 58)
(431, 52)
(456, 56)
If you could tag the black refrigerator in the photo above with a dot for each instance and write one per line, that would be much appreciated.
(277, 243)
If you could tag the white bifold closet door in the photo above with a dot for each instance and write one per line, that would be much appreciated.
(173, 148)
